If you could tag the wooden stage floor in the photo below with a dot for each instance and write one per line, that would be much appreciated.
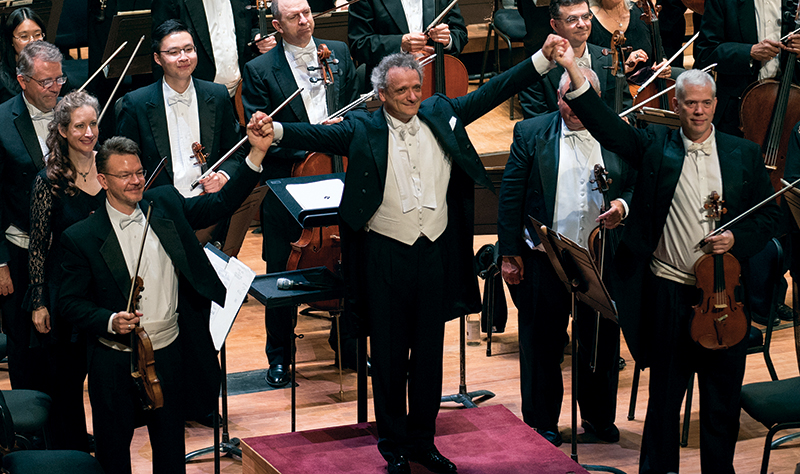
(319, 404)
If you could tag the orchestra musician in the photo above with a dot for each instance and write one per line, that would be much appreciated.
(550, 176)
(742, 37)
(376, 29)
(571, 19)
(100, 258)
(22, 150)
(407, 229)
(64, 192)
(168, 116)
(269, 80)
(222, 31)
(654, 263)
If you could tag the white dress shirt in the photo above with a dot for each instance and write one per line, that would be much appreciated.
(183, 126)
(219, 16)
(314, 97)
(768, 24)
(159, 298)
(413, 11)
(40, 122)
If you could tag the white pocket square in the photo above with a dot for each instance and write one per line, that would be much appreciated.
(453, 122)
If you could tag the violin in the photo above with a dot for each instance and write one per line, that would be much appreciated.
(447, 74)
(650, 17)
(320, 246)
(719, 321)
(143, 362)
(769, 110)
(203, 235)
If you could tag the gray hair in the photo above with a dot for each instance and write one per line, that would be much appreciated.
(401, 60)
(590, 75)
(694, 77)
(276, 12)
(34, 50)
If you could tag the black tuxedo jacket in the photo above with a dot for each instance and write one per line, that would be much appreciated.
(142, 117)
(96, 282)
(364, 139)
(657, 153)
(268, 81)
(541, 98)
(375, 29)
(727, 33)
(193, 14)
(20, 159)
(531, 177)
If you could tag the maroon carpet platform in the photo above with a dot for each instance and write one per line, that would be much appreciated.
(487, 440)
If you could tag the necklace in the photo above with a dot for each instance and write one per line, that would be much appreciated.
(86, 174)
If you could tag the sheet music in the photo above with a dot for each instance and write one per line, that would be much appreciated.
(323, 194)
(237, 278)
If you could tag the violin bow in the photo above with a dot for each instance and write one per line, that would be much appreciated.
(655, 74)
(790, 34)
(441, 16)
(655, 96)
(315, 16)
(121, 47)
(741, 216)
(121, 77)
(155, 174)
(139, 258)
(227, 155)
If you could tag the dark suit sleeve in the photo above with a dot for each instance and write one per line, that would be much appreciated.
(458, 30)
(536, 99)
(207, 209)
(714, 46)
(367, 45)
(792, 170)
(334, 138)
(127, 125)
(75, 292)
(513, 191)
(5, 254)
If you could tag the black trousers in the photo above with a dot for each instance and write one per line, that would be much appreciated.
(406, 310)
(674, 357)
(116, 410)
(27, 366)
(67, 370)
(543, 309)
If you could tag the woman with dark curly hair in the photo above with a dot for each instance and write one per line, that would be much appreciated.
(21, 27)
(64, 192)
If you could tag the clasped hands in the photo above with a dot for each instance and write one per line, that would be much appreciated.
(418, 42)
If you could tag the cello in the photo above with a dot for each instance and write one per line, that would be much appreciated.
(618, 53)
(719, 321)
(650, 17)
(446, 74)
(769, 110)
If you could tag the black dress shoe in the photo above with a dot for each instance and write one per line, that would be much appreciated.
(398, 465)
(433, 460)
(277, 376)
(609, 434)
(784, 312)
(208, 420)
(553, 436)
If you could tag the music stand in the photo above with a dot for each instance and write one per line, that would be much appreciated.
(233, 242)
(129, 26)
(577, 271)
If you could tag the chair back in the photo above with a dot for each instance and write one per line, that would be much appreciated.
(7, 438)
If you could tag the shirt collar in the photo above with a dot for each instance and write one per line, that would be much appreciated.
(33, 111)
(170, 93)
(687, 142)
(310, 48)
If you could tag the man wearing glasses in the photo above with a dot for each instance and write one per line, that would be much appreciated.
(189, 110)
(572, 20)
(22, 154)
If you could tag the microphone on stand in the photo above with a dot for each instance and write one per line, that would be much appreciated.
(287, 284)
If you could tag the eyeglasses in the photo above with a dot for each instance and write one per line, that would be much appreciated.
(48, 83)
(572, 20)
(127, 176)
(25, 38)
(176, 52)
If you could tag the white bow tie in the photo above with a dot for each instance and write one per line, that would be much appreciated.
(582, 135)
(179, 98)
(704, 147)
(38, 115)
(137, 216)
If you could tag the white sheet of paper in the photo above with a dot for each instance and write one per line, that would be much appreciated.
(237, 278)
(323, 194)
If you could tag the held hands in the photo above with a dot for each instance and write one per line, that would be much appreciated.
(125, 323)
(41, 320)
(213, 182)
(265, 45)
(766, 49)
(553, 46)
(719, 244)
(512, 269)
(613, 217)
(260, 135)
(440, 34)
(6, 285)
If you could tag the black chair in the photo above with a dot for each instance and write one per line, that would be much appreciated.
(508, 23)
(51, 462)
(24, 414)
(771, 260)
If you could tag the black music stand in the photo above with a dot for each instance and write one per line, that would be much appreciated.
(129, 26)
(577, 271)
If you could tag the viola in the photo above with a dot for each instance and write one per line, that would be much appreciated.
(143, 362)
(650, 17)
(719, 321)
(769, 110)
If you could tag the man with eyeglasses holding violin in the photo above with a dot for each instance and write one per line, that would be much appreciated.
(572, 20)
(22, 155)
(167, 117)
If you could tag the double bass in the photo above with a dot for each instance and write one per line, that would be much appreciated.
(769, 110)
(650, 17)
(446, 74)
